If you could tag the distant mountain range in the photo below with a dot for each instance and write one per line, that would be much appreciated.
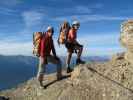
(17, 69)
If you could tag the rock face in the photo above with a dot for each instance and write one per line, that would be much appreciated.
(126, 39)
(112, 80)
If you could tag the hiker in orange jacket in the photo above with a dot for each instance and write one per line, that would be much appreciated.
(72, 45)
(46, 46)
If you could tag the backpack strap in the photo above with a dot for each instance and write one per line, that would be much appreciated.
(67, 33)
(33, 38)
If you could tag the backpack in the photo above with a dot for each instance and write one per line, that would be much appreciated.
(37, 36)
(64, 29)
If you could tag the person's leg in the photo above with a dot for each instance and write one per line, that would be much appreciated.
(79, 53)
(79, 49)
(41, 70)
(56, 61)
(69, 47)
(68, 60)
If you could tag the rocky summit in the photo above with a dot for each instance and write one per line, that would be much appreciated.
(111, 80)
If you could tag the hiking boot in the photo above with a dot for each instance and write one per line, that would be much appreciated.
(79, 61)
(69, 70)
(41, 84)
(59, 77)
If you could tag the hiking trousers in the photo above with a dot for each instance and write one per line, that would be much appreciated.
(50, 59)
(71, 47)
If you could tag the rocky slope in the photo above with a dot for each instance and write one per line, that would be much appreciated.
(93, 81)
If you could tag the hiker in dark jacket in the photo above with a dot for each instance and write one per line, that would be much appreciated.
(46, 47)
(72, 46)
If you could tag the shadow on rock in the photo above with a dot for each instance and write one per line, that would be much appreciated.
(50, 83)
(3, 98)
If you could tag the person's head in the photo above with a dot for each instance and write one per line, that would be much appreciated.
(76, 25)
(126, 37)
(50, 31)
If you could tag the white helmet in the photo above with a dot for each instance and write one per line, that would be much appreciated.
(76, 24)
(50, 28)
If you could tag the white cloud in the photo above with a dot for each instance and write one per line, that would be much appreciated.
(101, 39)
(68, 1)
(15, 48)
(10, 2)
(16, 38)
(7, 11)
(32, 18)
(97, 6)
(13, 45)
(3, 26)
(82, 9)
(126, 11)
(86, 18)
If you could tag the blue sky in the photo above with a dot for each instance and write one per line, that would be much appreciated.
(100, 23)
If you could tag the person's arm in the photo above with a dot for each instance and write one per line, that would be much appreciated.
(42, 47)
(53, 49)
(59, 36)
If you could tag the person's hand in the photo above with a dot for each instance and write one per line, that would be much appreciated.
(57, 58)
(44, 60)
